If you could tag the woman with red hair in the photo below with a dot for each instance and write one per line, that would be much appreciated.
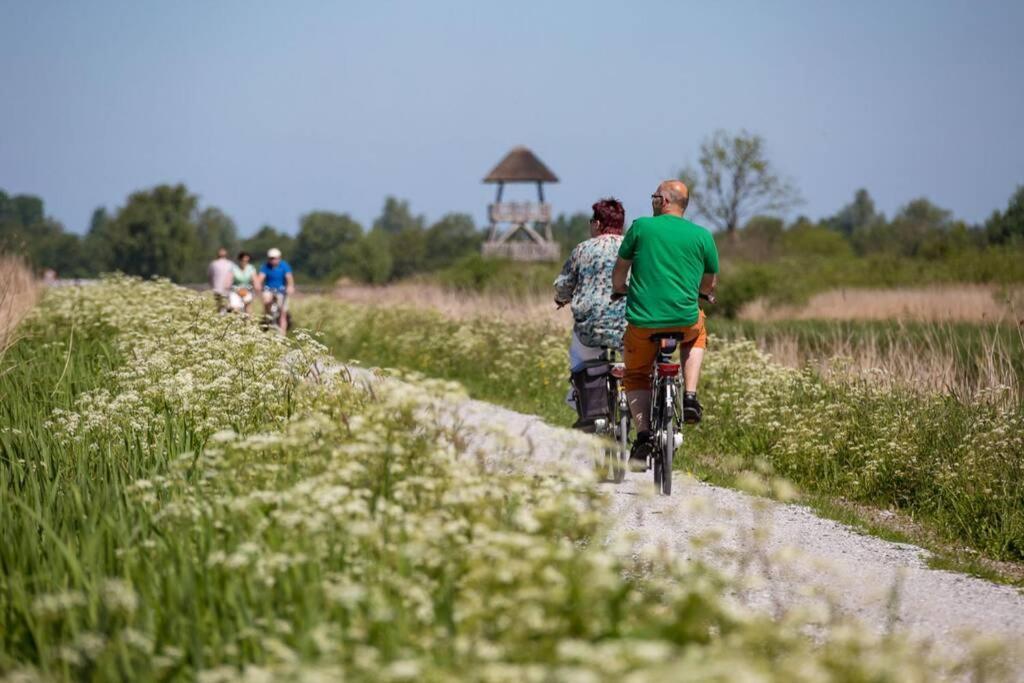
(586, 283)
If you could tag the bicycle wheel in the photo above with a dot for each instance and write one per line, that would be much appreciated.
(667, 451)
(623, 447)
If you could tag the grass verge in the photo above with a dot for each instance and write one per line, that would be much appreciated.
(183, 497)
(956, 467)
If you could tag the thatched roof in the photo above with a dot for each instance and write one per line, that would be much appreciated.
(521, 166)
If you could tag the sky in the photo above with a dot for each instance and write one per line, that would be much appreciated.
(269, 110)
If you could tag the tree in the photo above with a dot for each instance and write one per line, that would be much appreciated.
(155, 233)
(406, 235)
(215, 229)
(321, 240)
(451, 238)
(1008, 227)
(396, 217)
(25, 230)
(95, 245)
(570, 231)
(736, 180)
(855, 216)
(369, 259)
(267, 238)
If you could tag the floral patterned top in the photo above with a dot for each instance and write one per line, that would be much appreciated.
(586, 281)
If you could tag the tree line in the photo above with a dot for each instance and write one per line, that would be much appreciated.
(734, 189)
(164, 231)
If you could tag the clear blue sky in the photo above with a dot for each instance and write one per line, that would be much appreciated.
(270, 110)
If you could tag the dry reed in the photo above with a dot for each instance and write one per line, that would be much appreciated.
(18, 293)
(939, 303)
(511, 308)
(929, 362)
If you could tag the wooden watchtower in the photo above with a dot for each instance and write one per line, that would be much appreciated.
(521, 231)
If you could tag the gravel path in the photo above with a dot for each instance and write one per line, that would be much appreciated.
(786, 556)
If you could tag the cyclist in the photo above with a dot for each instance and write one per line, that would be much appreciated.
(669, 261)
(218, 275)
(585, 281)
(275, 281)
(242, 283)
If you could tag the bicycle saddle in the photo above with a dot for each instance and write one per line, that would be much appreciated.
(674, 336)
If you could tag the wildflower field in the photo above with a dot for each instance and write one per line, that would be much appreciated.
(953, 463)
(184, 497)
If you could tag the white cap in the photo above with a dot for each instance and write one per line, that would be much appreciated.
(274, 253)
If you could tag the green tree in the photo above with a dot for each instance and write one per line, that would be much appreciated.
(735, 179)
(320, 244)
(155, 233)
(856, 216)
(369, 258)
(267, 238)
(215, 229)
(451, 238)
(95, 245)
(1008, 227)
(396, 217)
(25, 230)
(569, 231)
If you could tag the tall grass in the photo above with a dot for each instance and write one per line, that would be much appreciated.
(18, 293)
(957, 465)
(962, 302)
(969, 361)
(185, 498)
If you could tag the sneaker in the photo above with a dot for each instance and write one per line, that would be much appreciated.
(692, 410)
(640, 452)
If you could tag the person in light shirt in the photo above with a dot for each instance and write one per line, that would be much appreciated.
(219, 274)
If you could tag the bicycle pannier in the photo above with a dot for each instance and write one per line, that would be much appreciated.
(591, 386)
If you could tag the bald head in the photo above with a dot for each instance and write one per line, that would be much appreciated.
(672, 197)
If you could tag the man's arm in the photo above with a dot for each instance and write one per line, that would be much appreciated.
(619, 275)
(708, 283)
(258, 281)
(289, 283)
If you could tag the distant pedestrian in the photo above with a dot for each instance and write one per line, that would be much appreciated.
(220, 274)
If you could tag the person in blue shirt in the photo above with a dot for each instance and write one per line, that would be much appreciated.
(275, 281)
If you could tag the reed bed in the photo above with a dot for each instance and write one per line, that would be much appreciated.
(19, 291)
(965, 302)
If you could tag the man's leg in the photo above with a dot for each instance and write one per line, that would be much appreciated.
(692, 356)
(283, 318)
(638, 353)
(692, 360)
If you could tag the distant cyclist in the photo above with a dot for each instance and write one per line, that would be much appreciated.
(586, 283)
(243, 283)
(218, 275)
(670, 262)
(275, 281)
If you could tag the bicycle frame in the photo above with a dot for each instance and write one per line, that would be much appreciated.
(665, 422)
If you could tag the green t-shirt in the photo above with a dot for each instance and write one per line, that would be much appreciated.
(670, 255)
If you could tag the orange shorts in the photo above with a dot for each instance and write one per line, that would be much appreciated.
(639, 351)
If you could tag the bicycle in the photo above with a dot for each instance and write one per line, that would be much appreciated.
(272, 315)
(616, 426)
(666, 416)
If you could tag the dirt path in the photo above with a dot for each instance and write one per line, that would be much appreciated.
(786, 556)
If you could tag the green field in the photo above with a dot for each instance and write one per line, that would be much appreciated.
(954, 465)
(184, 497)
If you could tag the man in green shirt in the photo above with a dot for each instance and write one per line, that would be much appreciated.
(669, 262)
